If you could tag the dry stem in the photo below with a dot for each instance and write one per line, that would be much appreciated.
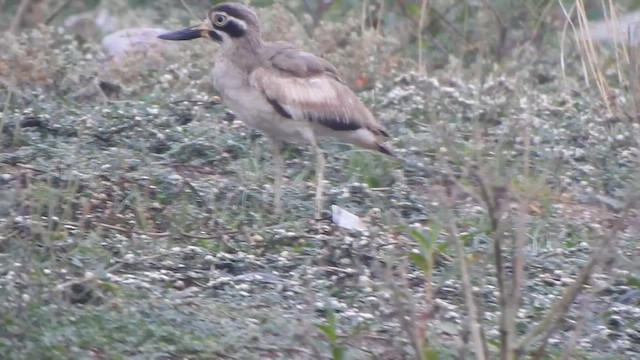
(17, 18)
(467, 289)
(545, 327)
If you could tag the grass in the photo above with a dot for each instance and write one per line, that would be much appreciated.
(128, 327)
(135, 224)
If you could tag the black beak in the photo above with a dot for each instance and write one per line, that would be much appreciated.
(189, 33)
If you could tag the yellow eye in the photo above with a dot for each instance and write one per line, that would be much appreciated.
(219, 19)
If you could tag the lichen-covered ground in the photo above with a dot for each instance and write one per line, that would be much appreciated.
(137, 225)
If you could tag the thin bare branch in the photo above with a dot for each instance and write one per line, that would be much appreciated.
(17, 18)
(57, 11)
(502, 29)
(191, 13)
(467, 289)
(546, 325)
(423, 16)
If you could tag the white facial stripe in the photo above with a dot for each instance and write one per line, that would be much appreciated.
(242, 23)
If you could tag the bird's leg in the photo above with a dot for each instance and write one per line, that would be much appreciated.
(319, 178)
(279, 173)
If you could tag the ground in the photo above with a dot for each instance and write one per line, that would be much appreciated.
(137, 220)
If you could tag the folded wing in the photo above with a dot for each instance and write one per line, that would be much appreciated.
(301, 86)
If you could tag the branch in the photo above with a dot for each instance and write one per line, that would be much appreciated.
(474, 322)
(546, 326)
(57, 11)
(17, 18)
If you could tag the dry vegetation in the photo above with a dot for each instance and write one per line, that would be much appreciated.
(135, 217)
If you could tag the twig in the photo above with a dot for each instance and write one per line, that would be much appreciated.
(423, 14)
(8, 236)
(360, 348)
(5, 108)
(205, 237)
(29, 167)
(57, 11)
(134, 231)
(199, 237)
(336, 269)
(570, 346)
(294, 12)
(404, 318)
(514, 297)
(148, 257)
(441, 17)
(193, 15)
(86, 278)
(545, 326)
(492, 202)
(474, 322)
(369, 336)
(322, 6)
(502, 29)
(121, 229)
(208, 236)
(114, 267)
(195, 168)
(277, 349)
(17, 18)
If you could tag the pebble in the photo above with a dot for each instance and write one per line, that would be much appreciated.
(256, 238)
(179, 285)
(5, 178)
(174, 178)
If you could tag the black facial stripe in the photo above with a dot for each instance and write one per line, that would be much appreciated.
(333, 122)
(232, 28)
(229, 10)
(215, 36)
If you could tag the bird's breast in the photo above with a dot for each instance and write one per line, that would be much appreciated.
(250, 105)
(227, 77)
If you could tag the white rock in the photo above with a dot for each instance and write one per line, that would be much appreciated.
(137, 46)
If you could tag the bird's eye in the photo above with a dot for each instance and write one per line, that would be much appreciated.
(219, 19)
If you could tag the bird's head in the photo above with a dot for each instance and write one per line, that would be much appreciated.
(225, 23)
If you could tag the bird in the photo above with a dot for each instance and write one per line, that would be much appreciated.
(286, 93)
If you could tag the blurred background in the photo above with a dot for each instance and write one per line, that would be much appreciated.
(421, 35)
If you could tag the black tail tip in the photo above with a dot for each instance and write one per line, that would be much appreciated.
(386, 150)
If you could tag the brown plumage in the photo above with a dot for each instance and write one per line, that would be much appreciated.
(286, 93)
(304, 87)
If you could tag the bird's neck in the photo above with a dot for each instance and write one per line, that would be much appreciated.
(244, 52)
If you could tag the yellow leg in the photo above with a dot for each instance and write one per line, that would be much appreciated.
(279, 173)
(319, 178)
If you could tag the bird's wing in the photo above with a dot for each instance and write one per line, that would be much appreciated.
(300, 85)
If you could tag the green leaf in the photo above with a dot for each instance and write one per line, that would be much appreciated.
(442, 247)
(337, 352)
(425, 242)
(413, 9)
(419, 260)
(633, 281)
(494, 342)
(331, 318)
(326, 330)
(418, 235)
(430, 353)
(329, 329)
